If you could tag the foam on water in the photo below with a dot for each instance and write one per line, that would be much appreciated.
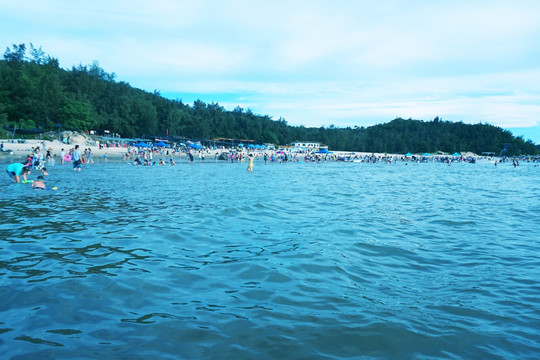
(310, 261)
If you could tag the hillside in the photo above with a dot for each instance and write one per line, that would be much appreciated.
(36, 93)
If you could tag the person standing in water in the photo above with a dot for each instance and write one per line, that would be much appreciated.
(250, 164)
(76, 157)
(37, 160)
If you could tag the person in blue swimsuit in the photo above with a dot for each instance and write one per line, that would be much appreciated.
(16, 171)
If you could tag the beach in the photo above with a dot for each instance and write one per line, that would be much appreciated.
(17, 152)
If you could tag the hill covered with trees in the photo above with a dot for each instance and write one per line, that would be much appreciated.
(36, 93)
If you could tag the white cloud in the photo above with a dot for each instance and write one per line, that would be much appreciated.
(313, 62)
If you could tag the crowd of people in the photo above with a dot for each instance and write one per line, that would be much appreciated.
(165, 156)
(19, 171)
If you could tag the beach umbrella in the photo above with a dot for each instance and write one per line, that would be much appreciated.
(240, 145)
(456, 154)
(408, 154)
(426, 154)
(263, 147)
(251, 146)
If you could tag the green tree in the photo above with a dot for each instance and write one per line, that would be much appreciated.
(75, 115)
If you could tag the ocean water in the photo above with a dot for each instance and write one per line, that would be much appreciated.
(298, 261)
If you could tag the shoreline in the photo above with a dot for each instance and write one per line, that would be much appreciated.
(17, 152)
(20, 150)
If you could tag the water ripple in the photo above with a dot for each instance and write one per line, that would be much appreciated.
(310, 261)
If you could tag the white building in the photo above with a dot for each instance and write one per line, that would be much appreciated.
(306, 145)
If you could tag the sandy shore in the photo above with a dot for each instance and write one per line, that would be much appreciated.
(14, 152)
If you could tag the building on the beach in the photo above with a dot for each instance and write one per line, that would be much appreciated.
(306, 145)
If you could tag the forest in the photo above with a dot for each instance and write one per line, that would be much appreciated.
(36, 93)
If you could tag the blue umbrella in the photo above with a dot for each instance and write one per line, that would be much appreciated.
(408, 154)
(456, 154)
(426, 154)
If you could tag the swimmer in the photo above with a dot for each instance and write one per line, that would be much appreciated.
(172, 162)
(38, 184)
(16, 170)
(44, 171)
(28, 162)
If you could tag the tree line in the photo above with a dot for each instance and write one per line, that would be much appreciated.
(36, 93)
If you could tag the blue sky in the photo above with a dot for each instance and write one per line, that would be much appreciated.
(313, 63)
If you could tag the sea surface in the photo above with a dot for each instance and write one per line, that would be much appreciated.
(292, 261)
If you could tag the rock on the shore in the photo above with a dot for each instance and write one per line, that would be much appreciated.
(224, 156)
(72, 137)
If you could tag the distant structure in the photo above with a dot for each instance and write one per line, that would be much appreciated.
(306, 145)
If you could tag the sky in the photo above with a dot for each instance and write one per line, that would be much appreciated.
(313, 63)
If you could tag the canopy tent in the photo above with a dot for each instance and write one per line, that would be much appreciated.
(408, 154)
(456, 154)
(142, 144)
(195, 146)
(161, 144)
(323, 151)
(24, 131)
(426, 154)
